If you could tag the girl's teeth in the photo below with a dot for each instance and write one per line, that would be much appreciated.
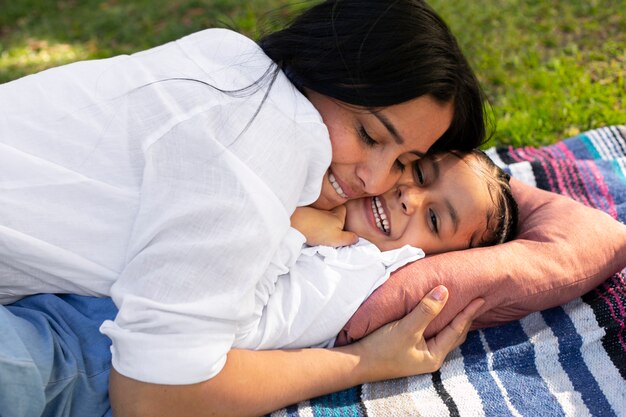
(336, 185)
(379, 215)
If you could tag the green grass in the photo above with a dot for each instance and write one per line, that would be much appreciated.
(37, 34)
(549, 69)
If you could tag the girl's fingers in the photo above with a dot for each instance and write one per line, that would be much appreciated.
(345, 238)
(340, 213)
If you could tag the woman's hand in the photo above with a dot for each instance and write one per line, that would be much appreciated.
(323, 227)
(254, 383)
(399, 348)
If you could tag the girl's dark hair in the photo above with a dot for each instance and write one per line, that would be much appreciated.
(377, 53)
(502, 219)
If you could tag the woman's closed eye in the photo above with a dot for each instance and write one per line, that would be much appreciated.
(399, 165)
(418, 173)
(369, 141)
(365, 137)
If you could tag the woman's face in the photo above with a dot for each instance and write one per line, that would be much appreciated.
(371, 149)
(442, 205)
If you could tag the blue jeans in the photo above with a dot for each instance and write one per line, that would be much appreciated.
(53, 360)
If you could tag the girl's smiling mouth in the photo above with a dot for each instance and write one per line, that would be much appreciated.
(380, 217)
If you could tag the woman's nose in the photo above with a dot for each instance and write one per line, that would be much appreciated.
(377, 179)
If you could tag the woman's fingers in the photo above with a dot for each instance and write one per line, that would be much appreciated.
(430, 306)
(399, 348)
(450, 336)
(454, 334)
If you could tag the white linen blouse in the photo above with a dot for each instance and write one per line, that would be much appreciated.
(119, 177)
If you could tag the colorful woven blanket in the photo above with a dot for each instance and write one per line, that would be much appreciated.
(566, 361)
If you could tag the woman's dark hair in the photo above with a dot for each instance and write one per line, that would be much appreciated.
(376, 53)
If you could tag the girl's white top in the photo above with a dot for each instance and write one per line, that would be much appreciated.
(118, 179)
(309, 296)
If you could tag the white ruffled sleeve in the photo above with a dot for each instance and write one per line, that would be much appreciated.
(322, 291)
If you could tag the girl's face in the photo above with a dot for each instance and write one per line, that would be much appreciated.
(438, 206)
(371, 149)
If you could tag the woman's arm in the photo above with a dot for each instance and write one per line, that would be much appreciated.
(253, 383)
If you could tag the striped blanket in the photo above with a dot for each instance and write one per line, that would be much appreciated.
(566, 361)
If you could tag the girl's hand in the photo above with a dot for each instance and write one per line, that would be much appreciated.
(399, 348)
(323, 227)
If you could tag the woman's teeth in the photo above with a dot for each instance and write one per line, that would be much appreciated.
(336, 185)
(379, 215)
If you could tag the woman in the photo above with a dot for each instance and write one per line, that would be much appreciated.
(159, 173)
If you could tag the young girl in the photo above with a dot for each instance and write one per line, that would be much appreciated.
(447, 201)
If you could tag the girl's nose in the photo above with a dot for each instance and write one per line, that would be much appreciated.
(409, 198)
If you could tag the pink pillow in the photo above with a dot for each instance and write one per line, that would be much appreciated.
(563, 250)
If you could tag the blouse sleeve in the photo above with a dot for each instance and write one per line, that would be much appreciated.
(198, 198)
(207, 227)
(215, 204)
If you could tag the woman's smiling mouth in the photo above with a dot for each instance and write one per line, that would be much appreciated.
(382, 221)
(336, 186)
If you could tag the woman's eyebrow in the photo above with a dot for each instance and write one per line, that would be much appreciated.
(390, 127)
(394, 132)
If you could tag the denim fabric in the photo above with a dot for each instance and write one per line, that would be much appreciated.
(53, 360)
